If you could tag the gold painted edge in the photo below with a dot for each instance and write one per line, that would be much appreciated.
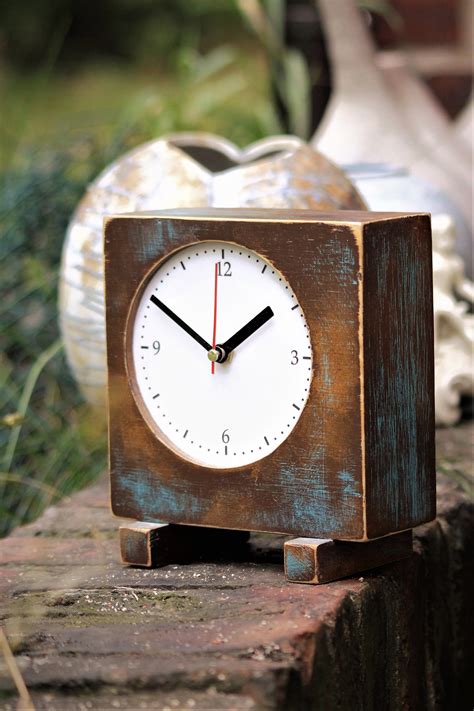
(359, 240)
(323, 217)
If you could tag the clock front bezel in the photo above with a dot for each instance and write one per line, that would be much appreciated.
(131, 369)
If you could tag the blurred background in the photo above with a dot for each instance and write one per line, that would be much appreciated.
(82, 82)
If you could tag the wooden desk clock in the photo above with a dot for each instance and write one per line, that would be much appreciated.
(270, 370)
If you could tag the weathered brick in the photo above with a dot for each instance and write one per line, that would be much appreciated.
(89, 633)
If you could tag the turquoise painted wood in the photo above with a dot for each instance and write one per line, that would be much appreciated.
(360, 462)
(316, 561)
(398, 367)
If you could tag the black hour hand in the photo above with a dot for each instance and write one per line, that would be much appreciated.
(190, 331)
(242, 334)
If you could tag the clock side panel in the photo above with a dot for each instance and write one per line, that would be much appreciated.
(312, 484)
(399, 374)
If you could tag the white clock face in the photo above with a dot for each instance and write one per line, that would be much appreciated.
(218, 300)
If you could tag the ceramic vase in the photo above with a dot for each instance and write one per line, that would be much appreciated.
(182, 170)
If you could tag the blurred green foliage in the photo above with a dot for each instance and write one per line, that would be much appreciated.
(61, 125)
(47, 444)
(290, 75)
(134, 30)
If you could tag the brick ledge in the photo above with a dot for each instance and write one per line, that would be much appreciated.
(89, 634)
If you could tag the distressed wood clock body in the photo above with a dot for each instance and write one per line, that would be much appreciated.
(271, 371)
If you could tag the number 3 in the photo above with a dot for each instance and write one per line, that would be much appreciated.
(294, 357)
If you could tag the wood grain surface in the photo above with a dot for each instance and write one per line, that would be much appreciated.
(316, 560)
(368, 421)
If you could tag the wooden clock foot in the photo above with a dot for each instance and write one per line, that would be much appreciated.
(150, 545)
(319, 560)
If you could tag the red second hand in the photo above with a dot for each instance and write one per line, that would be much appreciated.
(215, 315)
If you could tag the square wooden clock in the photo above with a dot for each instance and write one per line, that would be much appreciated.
(271, 370)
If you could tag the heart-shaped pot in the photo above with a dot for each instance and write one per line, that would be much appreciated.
(180, 170)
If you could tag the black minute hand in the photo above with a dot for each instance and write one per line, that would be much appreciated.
(242, 334)
(181, 323)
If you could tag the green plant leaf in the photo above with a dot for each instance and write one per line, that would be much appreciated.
(295, 91)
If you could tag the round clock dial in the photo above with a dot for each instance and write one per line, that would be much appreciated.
(220, 354)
